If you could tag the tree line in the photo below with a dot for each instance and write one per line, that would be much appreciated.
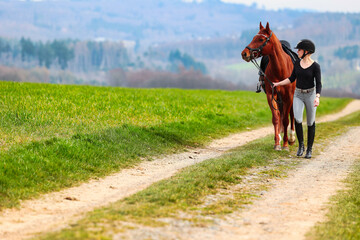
(44, 53)
(348, 52)
(176, 58)
(77, 56)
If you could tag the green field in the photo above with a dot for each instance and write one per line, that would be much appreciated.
(55, 136)
(183, 196)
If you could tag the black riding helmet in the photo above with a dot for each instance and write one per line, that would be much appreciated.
(306, 45)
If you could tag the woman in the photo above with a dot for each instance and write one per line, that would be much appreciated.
(307, 74)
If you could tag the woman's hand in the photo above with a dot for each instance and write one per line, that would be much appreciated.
(316, 101)
(281, 83)
(275, 84)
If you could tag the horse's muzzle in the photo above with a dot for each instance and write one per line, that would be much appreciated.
(246, 55)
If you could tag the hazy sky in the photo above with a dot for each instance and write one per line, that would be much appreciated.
(352, 6)
(319, 5)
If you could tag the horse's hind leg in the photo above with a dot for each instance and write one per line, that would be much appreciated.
(292, 138)
(285, 121)
(286, 139)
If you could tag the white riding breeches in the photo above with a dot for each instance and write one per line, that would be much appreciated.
(301, 99)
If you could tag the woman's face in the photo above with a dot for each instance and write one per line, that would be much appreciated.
(300, 53)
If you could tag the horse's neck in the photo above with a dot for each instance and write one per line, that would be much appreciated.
(278, 62)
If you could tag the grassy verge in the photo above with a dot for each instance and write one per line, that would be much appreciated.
(55, 136)
(187, 191)
(343, 218)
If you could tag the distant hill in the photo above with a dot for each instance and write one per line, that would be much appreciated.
(157, 21)
(136, 20)
(145, 32)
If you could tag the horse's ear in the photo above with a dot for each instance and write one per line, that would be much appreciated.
(267, 27)
(261, 26)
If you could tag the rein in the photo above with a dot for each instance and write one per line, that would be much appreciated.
(279, 102)
(253, 60)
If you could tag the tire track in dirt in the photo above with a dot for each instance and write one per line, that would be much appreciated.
(287, 211)
(59, 209)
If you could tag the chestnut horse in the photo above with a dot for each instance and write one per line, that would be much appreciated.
(280, 66)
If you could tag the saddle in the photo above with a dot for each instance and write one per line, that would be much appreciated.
(291, 53)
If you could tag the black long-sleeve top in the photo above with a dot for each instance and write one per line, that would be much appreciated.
(306, 78)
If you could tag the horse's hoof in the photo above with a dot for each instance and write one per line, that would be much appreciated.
(292, 143)
(285, 148)
(277, 147)
(292, 137)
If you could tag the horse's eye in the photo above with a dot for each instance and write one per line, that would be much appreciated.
(261, 39)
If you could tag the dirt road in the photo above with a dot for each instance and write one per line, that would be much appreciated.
(56, 210)
(287, 211)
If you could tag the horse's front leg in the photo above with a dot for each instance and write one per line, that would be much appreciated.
(275, 121)
(276, 124)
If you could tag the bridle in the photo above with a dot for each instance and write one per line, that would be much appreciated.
(258, 50)
(255, 53)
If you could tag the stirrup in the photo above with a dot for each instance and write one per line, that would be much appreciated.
(258, 88)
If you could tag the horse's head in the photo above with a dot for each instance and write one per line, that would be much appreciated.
(258, 45)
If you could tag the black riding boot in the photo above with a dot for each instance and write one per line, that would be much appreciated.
(311, 136)
(300, 137)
